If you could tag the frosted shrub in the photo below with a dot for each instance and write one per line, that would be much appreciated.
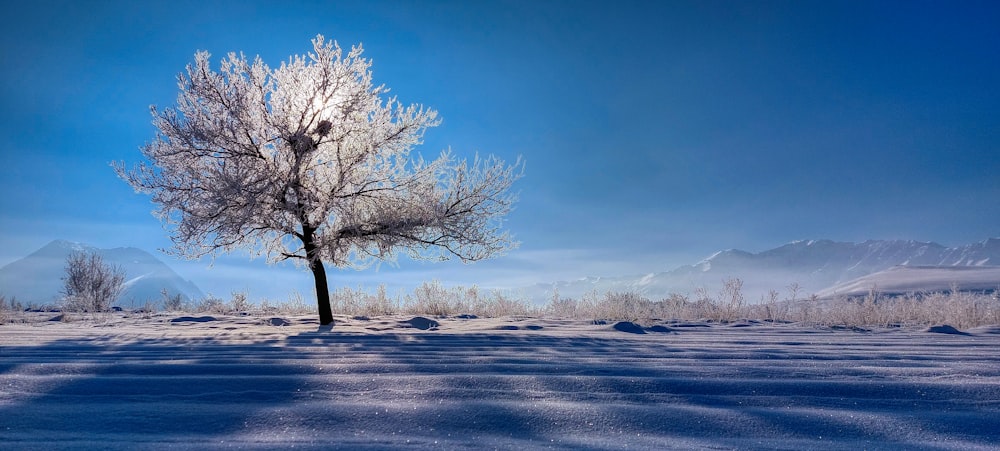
(908, 309)
(146, 311)
(589, 305)
(265, 307)
(15, 305)
(955, 308)
(379, 304)
(211, 304)
(430, 298)
(730, 302)
(5, 312)
(90, 284)
(612, 306)
(239, 303)
(499, 304)
(469, 299)
(561, 307)
(626, 306)
(773, 309)
(346, 301)
(872, 310)
(807, 310)
(171, 303)
(729, 305)
(295, 305)
(675, 306)
(968, 309)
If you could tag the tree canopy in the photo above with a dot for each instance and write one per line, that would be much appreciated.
(312, 162)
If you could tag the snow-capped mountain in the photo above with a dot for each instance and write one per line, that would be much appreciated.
(814, 265)
(37, 278)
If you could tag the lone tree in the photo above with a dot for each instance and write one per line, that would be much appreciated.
(311, 162)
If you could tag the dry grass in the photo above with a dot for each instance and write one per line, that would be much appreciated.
(431, 299)
(956, 308)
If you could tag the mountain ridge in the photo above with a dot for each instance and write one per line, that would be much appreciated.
(814, 265)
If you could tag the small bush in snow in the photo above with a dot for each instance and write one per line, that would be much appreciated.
(5, 313)
(210, 304)
(90, 284)
(731, 301)
(171, 303)
(296, 305)
(499, 304)
(239, 303)
(430, 298)
(561, 307)
(346, 301)
(622, 306)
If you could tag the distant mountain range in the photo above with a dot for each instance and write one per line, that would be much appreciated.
(37, 278)
(816, 266)
(826, 268)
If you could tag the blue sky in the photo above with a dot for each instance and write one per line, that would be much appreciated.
(655, 133)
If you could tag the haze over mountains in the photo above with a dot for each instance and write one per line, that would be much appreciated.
(826, 268)
(816, 266)
(37, 278)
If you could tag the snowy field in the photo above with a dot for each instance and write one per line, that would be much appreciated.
(210, 382)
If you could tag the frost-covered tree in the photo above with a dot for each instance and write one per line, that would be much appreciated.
(311, 162)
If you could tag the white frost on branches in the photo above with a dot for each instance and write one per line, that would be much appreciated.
(309, 162)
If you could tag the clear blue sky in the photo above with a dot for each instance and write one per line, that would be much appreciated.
(655, 132)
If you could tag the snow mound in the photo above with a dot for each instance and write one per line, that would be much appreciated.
(422, 323)
(628, 327)
(277, 322)
(945, 329)
(193, 319)
(660, 329)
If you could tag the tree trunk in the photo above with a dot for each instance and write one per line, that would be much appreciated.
(319, 275)
(322, 292)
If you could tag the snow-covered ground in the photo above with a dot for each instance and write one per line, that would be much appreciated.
(241, 382)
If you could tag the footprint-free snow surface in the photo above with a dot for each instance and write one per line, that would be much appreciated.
(266, 383)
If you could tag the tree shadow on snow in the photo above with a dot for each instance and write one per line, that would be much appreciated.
(327, 389)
